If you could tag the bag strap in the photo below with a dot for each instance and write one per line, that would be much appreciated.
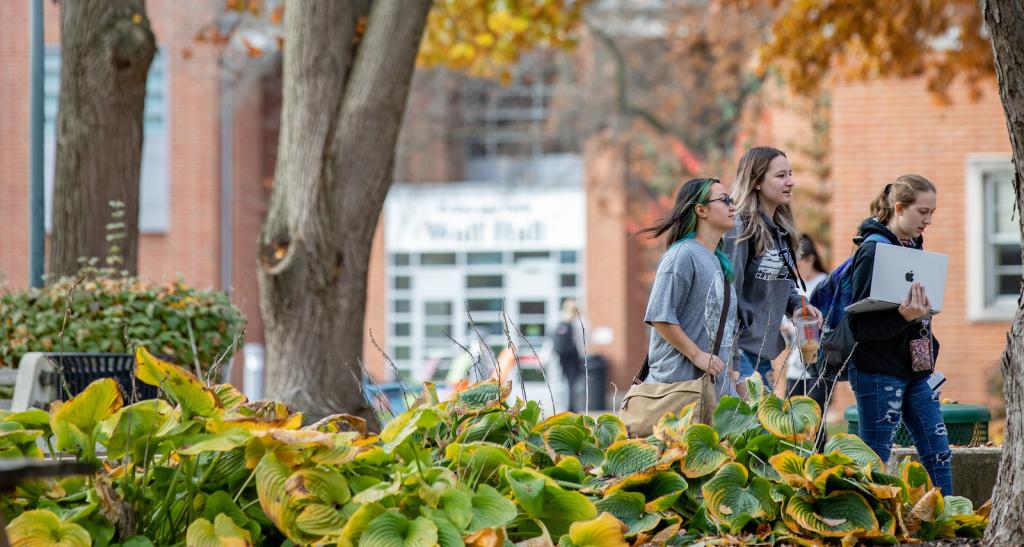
(719, 336)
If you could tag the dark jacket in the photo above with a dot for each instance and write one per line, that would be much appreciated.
(766, 289)
(883, 337)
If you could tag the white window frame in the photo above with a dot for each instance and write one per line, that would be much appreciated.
(979, 308)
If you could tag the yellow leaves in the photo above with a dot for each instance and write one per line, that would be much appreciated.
(485, 37)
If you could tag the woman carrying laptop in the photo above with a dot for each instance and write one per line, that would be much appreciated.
(896, 350)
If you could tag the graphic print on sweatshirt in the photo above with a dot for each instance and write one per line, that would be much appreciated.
(772, 265)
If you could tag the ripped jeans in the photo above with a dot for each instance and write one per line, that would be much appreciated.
(883, 400)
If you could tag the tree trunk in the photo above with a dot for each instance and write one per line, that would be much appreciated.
(1004, 20)
(344, 97)
(106, 49)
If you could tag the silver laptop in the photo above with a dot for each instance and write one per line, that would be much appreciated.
(896, 269)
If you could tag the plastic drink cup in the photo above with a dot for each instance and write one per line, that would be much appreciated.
(808, 337)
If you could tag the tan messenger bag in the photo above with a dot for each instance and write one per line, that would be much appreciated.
(645, 404)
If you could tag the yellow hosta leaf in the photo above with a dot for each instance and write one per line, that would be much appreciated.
(76, 422)
(604, 531)
(42, 528)
(223, 532)
(182, 386)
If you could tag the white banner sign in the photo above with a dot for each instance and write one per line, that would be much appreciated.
(481, 217)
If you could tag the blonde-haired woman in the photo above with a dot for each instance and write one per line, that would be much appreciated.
(896, 351)
(763, 247)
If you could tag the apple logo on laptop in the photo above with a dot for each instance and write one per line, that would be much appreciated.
(910, 276)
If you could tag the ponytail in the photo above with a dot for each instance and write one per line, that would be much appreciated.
(905, 190)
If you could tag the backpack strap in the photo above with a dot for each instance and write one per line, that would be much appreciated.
(719, 336)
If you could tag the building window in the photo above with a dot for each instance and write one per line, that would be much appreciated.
(994, 261)
(154, 215)
(484, 281)
(437, 259)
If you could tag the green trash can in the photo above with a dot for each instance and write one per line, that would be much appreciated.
(966, 425)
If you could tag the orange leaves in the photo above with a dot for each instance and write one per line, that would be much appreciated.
(813, 40)
(485, 37)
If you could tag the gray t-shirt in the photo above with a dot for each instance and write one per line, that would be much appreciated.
(689, 291)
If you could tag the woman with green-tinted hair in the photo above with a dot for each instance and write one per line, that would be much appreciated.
(685, 307)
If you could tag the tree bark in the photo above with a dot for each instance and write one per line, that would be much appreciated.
(344, 97)
(1004, 21)
(106, 49)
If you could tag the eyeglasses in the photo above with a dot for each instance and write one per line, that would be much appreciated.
(727, 200)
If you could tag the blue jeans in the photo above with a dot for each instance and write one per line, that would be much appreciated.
(884, 400)
(750, 362)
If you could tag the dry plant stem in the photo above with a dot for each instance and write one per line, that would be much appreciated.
(586, 367)
(476, 331)
(394, 368)
(543, 372)
(512, 346)
(63, 327)
(475, 366)
(232, 348)
(195, 352)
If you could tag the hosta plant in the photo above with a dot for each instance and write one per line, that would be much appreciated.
(205, 466)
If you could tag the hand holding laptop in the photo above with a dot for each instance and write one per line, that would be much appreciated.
(916, 305)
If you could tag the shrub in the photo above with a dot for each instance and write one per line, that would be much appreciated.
(106, 312)
(472, 470)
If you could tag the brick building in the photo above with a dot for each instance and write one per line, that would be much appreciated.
(215, 132)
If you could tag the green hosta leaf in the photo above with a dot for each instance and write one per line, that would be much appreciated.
(222, 532)
(317, 519)
(395, 530)
(457, 506)
(433, 483)
(884, 486)
(630, 456)
(317, 486)
(856, 449)
(42, 528)
(76, 422)
(448, 535)
(604, 531)
(492, 427)
(817, 470)
(609, 429)
(731, 501)
(271, 476)
(957, 505)
(181, 385)
(794, 419)
(401, 427)
(481, 397)
(704, 453)
(218, 442)
(32, 418)
(360, 520)
(629, 508)
(733, 418)
(481, 459)
(221, 502)
(670, 427)
(573, 440)
(568, 469)
(660, 488)
(137, 427)
(915, 476)
(490, 509)
(528, 489)
(836, 515)
(541, 498)
(379, 491)
(229, 395)
(886, 520)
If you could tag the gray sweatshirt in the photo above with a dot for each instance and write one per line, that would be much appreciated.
(766, 288)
